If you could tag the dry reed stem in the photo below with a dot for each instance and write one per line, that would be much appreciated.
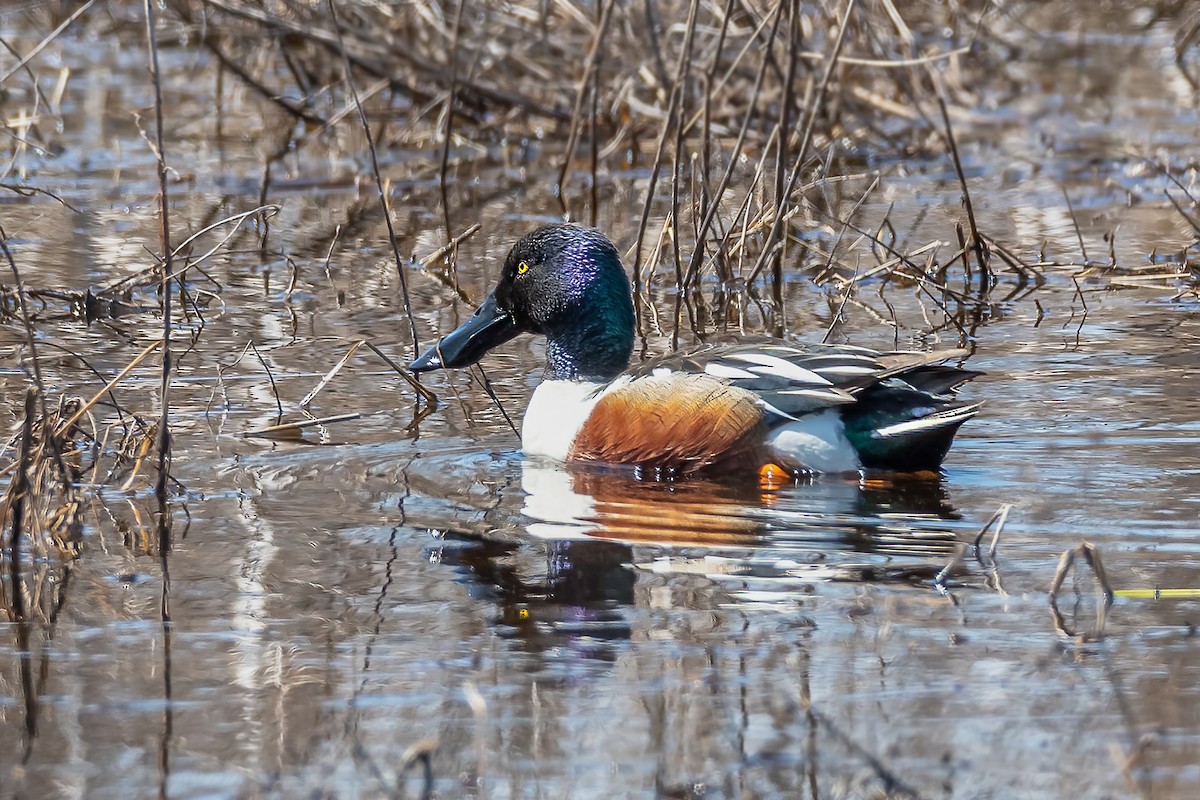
(164, 429)
(328, 376)
(64, 427)
(1091, 556)
(193, 262)
(19, 493)
(998, 518)
(285, 430)
(976, 242)
(694, 265)
(770, 252)
(659, 150)
(42, 45)
(585, 82)
(383, 199)
(448, 128)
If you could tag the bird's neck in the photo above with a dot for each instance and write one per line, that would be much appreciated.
(593, 345)
(587, 356)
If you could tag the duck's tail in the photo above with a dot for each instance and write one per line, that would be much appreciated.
(904, 430)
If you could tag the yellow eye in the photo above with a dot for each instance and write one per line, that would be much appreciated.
(523, 267)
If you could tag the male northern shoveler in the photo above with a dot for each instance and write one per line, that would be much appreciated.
(821, 408)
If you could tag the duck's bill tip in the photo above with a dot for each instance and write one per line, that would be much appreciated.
(428, 361)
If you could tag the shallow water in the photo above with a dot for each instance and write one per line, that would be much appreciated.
(375, 591)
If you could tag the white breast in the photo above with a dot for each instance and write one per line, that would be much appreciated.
(556, 412)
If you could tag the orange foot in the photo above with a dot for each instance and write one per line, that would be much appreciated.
(772, 477)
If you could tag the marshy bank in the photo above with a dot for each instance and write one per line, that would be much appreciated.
(372, 594)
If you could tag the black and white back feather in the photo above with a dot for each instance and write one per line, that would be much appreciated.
(794, 380)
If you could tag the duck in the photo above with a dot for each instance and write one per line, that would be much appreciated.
(764, 404)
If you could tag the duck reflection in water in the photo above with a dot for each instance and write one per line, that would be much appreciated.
(614, 504)
(593, 532)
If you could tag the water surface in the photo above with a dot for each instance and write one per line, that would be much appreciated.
(343, 604)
